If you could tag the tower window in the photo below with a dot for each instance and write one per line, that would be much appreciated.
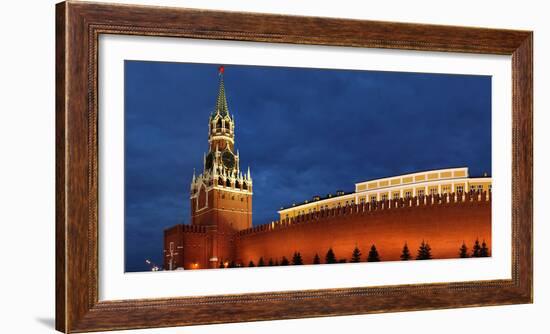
(228, 183)
(220, 181)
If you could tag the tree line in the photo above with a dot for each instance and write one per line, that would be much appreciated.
(424, 252)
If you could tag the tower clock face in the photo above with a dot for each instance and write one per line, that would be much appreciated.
(209, 161)
(228, 159)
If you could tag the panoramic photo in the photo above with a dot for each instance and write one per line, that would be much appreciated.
(236, 166)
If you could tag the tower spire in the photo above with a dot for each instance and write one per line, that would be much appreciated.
(221, 103)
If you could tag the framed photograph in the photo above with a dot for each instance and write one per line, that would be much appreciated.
(222, 166)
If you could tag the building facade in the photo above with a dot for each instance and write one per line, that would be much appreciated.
(444, 207)
(419, 184)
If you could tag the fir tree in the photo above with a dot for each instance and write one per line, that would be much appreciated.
(373, 255)
(297, 259)
(251, 263)
(316, 259)
(276, 262)
(222, 265)
(424, 251)
(477, 249)
(330, 257)
(355, 255)
(284, 261)
(463, 251)
(232, 264)
(484, 251)
(405, 253)
(270, 263)
(261, 262)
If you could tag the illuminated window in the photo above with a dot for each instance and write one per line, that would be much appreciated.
(420, 193)
(362, 200)
(459, 189)
(446, 189)
(396, 195)
(373, 198)
(480, 188)
(408, 194)
(472, 188)
(385, 197)
(433, 191)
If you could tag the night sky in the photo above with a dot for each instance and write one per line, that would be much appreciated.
(303, 132)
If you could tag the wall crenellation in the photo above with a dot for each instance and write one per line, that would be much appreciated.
(370, 208)
(193, 229)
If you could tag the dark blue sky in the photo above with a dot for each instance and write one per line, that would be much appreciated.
(302, 131)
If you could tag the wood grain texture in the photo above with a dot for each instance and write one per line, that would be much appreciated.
(78, 27)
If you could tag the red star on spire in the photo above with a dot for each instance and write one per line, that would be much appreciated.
(221, 70)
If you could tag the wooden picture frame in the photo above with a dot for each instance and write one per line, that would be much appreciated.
(78, 26)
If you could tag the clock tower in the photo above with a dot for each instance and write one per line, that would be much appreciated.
(221, 196)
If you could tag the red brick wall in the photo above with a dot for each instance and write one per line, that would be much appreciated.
(224, 207)
(443, 225)
(191, 247)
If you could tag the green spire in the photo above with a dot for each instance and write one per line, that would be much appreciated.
(221, 103)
